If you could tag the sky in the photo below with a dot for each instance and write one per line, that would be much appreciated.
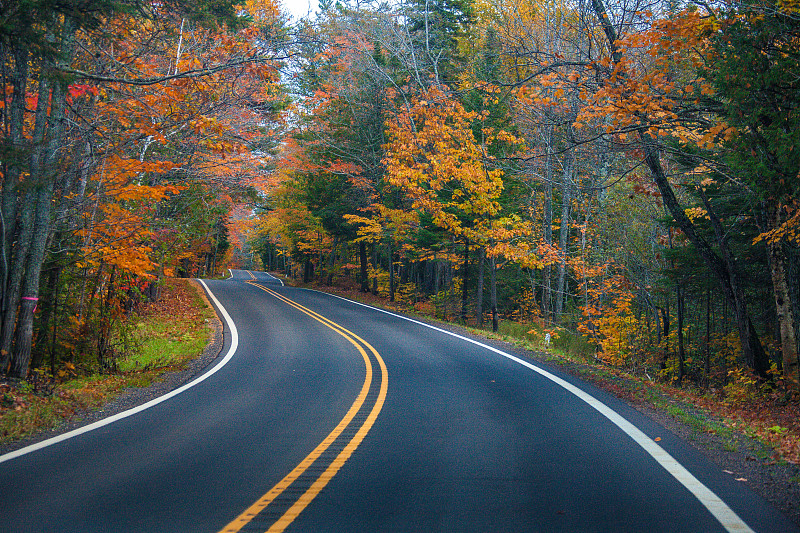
(299, 8)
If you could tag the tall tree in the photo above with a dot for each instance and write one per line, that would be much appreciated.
(438, 26)
(623, 98)
(100, 151)
(754, 68)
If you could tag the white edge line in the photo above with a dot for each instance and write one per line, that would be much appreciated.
(275, 277)
(724, 514)
(119, 416)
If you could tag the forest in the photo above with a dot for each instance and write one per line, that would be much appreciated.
(618, 172)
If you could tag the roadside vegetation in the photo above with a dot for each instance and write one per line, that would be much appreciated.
(160, 337)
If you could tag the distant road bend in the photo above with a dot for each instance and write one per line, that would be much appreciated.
(327, 415)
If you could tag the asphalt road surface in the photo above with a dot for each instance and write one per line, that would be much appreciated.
(325, 415)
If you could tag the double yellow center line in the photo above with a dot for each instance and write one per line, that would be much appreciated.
(360, 418)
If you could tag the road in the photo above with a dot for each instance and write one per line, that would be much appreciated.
(327, 415)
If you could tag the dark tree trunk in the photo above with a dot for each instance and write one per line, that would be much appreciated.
(465, 279)
(332, 261)
(49, 128)
(664, 333)
(479, 294)
(48, 314)
(391, 272)
(679, 293)
(375, 268)
(707, 361)
(362, 254)
(563, 236)
(547, 274)
(493, 291)
(723, 265)
(12, 169)
(784, 313)
(105, 355)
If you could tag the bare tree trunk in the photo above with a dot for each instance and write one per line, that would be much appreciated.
(465, 279)
(307, 270)
(14, 255)
(566, 203)
(104, 351)
(783, 305)
(707, 359)
(375, 268)
(48, 313)
(26, 224)
(663, 334)
(679, 293)
(42, 174)
(12, 295)
(547, 275)
(332, 262)
(33, 270)
(493, 290)
(391, 271)
(12, 168)
(362, 254)
(36, 256)
(479, 293)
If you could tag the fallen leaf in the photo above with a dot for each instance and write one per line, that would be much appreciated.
(657, 439)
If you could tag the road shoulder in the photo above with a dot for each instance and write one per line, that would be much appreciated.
(135, 396)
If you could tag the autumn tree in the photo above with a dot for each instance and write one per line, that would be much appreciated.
(444, 170)
(109, 136)
(634, 188)
(646, 104)
(753, 68)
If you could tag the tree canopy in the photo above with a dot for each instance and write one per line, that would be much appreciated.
(626, 174)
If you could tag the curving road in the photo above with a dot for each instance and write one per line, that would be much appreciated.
(326, 415)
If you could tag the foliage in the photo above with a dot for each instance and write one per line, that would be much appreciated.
(433, 156)
(609, 172)
(589, 167)
(146, 123)
(167, 335)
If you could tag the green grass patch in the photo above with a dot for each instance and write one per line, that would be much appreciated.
(563, 343)
(163, 344)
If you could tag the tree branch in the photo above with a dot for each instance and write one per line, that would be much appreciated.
(195, 73)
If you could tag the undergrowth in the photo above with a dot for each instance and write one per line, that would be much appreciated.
(167, 334)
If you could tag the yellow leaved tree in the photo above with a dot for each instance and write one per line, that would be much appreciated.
(434, 157)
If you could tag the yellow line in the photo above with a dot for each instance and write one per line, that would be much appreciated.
(252, 277)
(289, 516)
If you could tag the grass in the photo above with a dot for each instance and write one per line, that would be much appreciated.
(563, 345)
(167, 335)
(161, 346)
(692, 420)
